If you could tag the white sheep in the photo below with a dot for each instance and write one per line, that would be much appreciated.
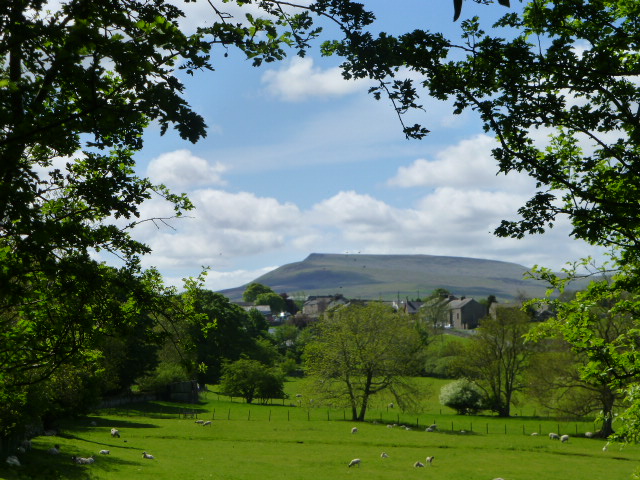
(104, 452)
(200, 421)
(534, 434)
(355, 461)
(554, 436)
(431, 428)
(354, 430)
(115, 432)
(55, 450)
(147, 456)
(589, 434)
(418, 464)
(83, 460)
(390, 405)
(384, 455)
(13, 461)
(389, 426)
(208, 422)
(564, 438)
(21, 450)
(430, 460)
(606, 447)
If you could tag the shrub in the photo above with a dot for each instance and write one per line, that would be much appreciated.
(464, 396)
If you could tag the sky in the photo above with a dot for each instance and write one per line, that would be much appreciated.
(298, 160)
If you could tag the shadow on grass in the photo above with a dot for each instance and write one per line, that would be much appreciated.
(155, 409)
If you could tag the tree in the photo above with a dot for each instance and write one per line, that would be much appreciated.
(360, 350)
(463, 396)
(223, 334)
(555, 382)
(276, 302)
(600, 325)
(497, 357)
(254, 289)
(251, 379)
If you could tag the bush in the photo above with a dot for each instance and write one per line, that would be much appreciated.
(463, 396)
(251, 379)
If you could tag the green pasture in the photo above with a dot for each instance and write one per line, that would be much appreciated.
(301, 442)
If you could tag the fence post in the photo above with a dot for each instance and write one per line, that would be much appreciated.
(327, 415)
(269, 415)
(229, 414)
(471, 426)
(452, 425)
(523, 432)
(505, 428)
(249, 416)
(214, 414)
(487, 429)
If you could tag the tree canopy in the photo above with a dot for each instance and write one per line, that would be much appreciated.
(360, 350)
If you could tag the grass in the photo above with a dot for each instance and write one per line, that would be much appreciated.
(249, 442)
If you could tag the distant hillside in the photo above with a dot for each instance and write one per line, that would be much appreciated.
(389, 276)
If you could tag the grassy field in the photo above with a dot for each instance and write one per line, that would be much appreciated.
(298, 442)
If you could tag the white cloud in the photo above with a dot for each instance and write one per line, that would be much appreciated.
(181, 169)
(467, 164)
(300, 80)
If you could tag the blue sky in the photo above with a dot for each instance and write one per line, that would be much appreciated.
(298, 160)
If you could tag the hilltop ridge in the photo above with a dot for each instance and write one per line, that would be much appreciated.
(390, 276)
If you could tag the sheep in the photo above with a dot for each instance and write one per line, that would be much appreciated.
(13, 461)
(147, 456)
(418, 464)
(115, 432)
(83, 460)
(589, 434)
(355, 461)
(200, 421)
(298, 395)
(208, 422)
(564, 438)
(389, 426)
(93, 423)
(430, 460)
(55, 450)
(606, 447)
(431, 428)
(26, 444)
(554, 436)
(104, 452)
(534, 434)
(384, 455)
(390, 405)
(354, 430)
(50, 433)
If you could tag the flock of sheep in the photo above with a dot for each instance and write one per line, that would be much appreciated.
(26, 445)
(428, 460)
(434, 427)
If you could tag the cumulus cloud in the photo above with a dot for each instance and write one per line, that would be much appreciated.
(300, 80)
(463, 165)
(181, 169)
(223, 227)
